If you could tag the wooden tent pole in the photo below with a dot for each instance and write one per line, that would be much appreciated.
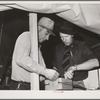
(34, 48)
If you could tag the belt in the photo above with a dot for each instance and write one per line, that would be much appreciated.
(19, 85)
(21, 82)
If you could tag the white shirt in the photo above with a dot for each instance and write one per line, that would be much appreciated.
(22, 60)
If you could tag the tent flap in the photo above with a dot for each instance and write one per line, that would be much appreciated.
(84, 15)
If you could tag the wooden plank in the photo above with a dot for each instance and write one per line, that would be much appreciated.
(34, 48)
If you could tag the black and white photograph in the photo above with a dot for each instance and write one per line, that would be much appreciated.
(50, 46)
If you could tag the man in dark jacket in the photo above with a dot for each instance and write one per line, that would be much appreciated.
(81, 58)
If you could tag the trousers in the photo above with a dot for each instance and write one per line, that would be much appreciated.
(18, 85)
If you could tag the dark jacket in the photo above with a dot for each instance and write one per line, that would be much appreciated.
(81, 53)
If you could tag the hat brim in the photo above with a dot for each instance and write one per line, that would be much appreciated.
(67, 32)
(49, 30)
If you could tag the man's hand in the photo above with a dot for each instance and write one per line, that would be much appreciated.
(42, 78)
(51, 74)
(70, 72)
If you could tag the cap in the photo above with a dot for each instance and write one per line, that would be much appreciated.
(66, 27)
(47, 23)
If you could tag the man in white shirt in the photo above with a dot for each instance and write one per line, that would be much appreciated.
(22, 63)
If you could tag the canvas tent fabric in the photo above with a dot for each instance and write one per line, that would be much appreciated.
(84, 15)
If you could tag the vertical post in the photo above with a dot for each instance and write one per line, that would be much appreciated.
(34, 48)
(98, 71)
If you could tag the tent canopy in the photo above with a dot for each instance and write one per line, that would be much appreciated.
(85, 15)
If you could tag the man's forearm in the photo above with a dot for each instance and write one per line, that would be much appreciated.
(37, 68)
(28, 64)
(88, 65)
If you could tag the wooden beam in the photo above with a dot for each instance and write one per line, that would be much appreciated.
(34, 48)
